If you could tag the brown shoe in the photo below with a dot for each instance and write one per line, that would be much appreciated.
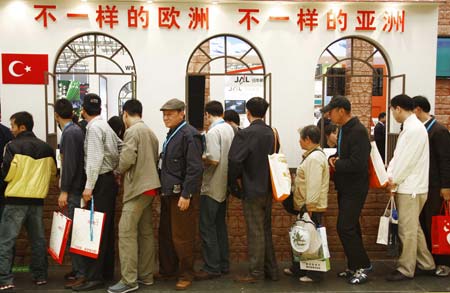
(202, 275)
(74, 283)
(248, 279)
(183, 285)
(160, 277)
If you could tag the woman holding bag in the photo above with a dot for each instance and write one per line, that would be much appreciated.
(310, 189)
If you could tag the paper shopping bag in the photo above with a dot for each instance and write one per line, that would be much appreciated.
(280, 176)
(383, 227)
(440, 231)
(58, 236)
(87, 232)
(378, 177)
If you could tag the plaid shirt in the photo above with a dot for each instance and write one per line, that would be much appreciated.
(101, 150)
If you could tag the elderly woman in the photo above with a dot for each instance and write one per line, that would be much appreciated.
(311, 189)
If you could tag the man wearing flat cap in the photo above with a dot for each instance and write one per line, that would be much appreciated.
(101, 156)
(181, 171)
(351, 180)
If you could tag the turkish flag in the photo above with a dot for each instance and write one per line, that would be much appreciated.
(24, 68)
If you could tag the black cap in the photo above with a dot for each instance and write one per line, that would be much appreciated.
(92, 102)
(337, 102)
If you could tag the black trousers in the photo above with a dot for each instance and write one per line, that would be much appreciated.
(432, 208)
(105, 193)
(349, 230)
(258, 218)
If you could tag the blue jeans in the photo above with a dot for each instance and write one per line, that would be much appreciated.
(14, 216)
(78, 263)
(213, 231)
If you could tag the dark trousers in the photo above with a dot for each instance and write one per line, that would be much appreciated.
(213, 231)
(295, 268)
(104, 194)
(432, 208)
(258, 218)
(78, 261)
(349, 229)
(177, 231)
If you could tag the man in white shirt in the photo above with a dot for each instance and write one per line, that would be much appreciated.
(408, 179)
(213, 205)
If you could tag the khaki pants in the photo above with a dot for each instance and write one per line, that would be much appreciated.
(136, 243)
(415, 251)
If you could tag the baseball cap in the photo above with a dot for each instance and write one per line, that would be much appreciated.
(337, 102)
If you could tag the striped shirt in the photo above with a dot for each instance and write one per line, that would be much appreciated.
(101, 150)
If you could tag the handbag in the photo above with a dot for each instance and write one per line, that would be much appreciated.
(385, 220)
(279, 173)
(304, 238)
(58, 236)
(87, 231)
(440, 231)
(378, 177)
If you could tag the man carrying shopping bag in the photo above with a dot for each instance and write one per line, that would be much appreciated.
(310, 189)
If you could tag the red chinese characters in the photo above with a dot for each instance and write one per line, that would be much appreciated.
(307, 19)
(134, 16)
(394, 19)
(167, 17)
(45, 14)
(199, 16)
(108, 16)
(365, 19)
(335, 21)
(248, 17)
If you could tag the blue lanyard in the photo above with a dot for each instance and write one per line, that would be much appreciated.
(166, 142)
(339, 142)
(431, 125)
(91, 222)
(67, 125)
(216, 123)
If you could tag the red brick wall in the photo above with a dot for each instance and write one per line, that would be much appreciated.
(442, 102)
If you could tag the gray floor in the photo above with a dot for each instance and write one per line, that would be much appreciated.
(286, 284)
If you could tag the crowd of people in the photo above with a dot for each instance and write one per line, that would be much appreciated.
(98, 155)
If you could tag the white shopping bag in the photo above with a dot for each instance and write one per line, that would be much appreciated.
(58, 236)
(385, 219)
(323, 237)
(280, 176)
(87, 232)
(378, 177)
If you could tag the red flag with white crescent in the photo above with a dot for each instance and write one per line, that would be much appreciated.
(24, 68)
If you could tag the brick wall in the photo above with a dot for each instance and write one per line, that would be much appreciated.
(442, 103)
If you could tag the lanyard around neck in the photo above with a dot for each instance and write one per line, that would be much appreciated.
(216, 123)
(339, 142)
(431, 124)
(166, 142)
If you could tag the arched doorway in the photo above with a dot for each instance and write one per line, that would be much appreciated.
(89, 62)
(358, 68)
(125, 94)
(229, 69)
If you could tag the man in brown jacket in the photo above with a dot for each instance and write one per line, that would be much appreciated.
(138, 164)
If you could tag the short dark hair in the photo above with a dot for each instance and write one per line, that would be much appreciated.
(329, 128)
(381, 115)
(116, 124)
(133, 107)
(92, 104)
(23, 118)
(403, 101)
(214, 108)
(64, 108)
(231, 115)
(422, 103)
(257, 106)
(312, 132)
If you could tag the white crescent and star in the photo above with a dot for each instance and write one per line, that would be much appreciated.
(15, 74)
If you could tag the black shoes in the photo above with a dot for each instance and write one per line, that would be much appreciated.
(396, 276)
(89, 286)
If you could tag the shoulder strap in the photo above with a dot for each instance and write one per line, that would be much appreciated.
(276, 139)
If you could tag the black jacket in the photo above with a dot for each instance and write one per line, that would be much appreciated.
(439, 139)
(351, 173)
(5, 137)
(182, 163)
(248, 161)
(379, 135)
(26, 143)
(73, 176)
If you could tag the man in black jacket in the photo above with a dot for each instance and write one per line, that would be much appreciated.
(439, 179)
(249, 178)
(351, 180)
(379, 134)
(181, 171)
